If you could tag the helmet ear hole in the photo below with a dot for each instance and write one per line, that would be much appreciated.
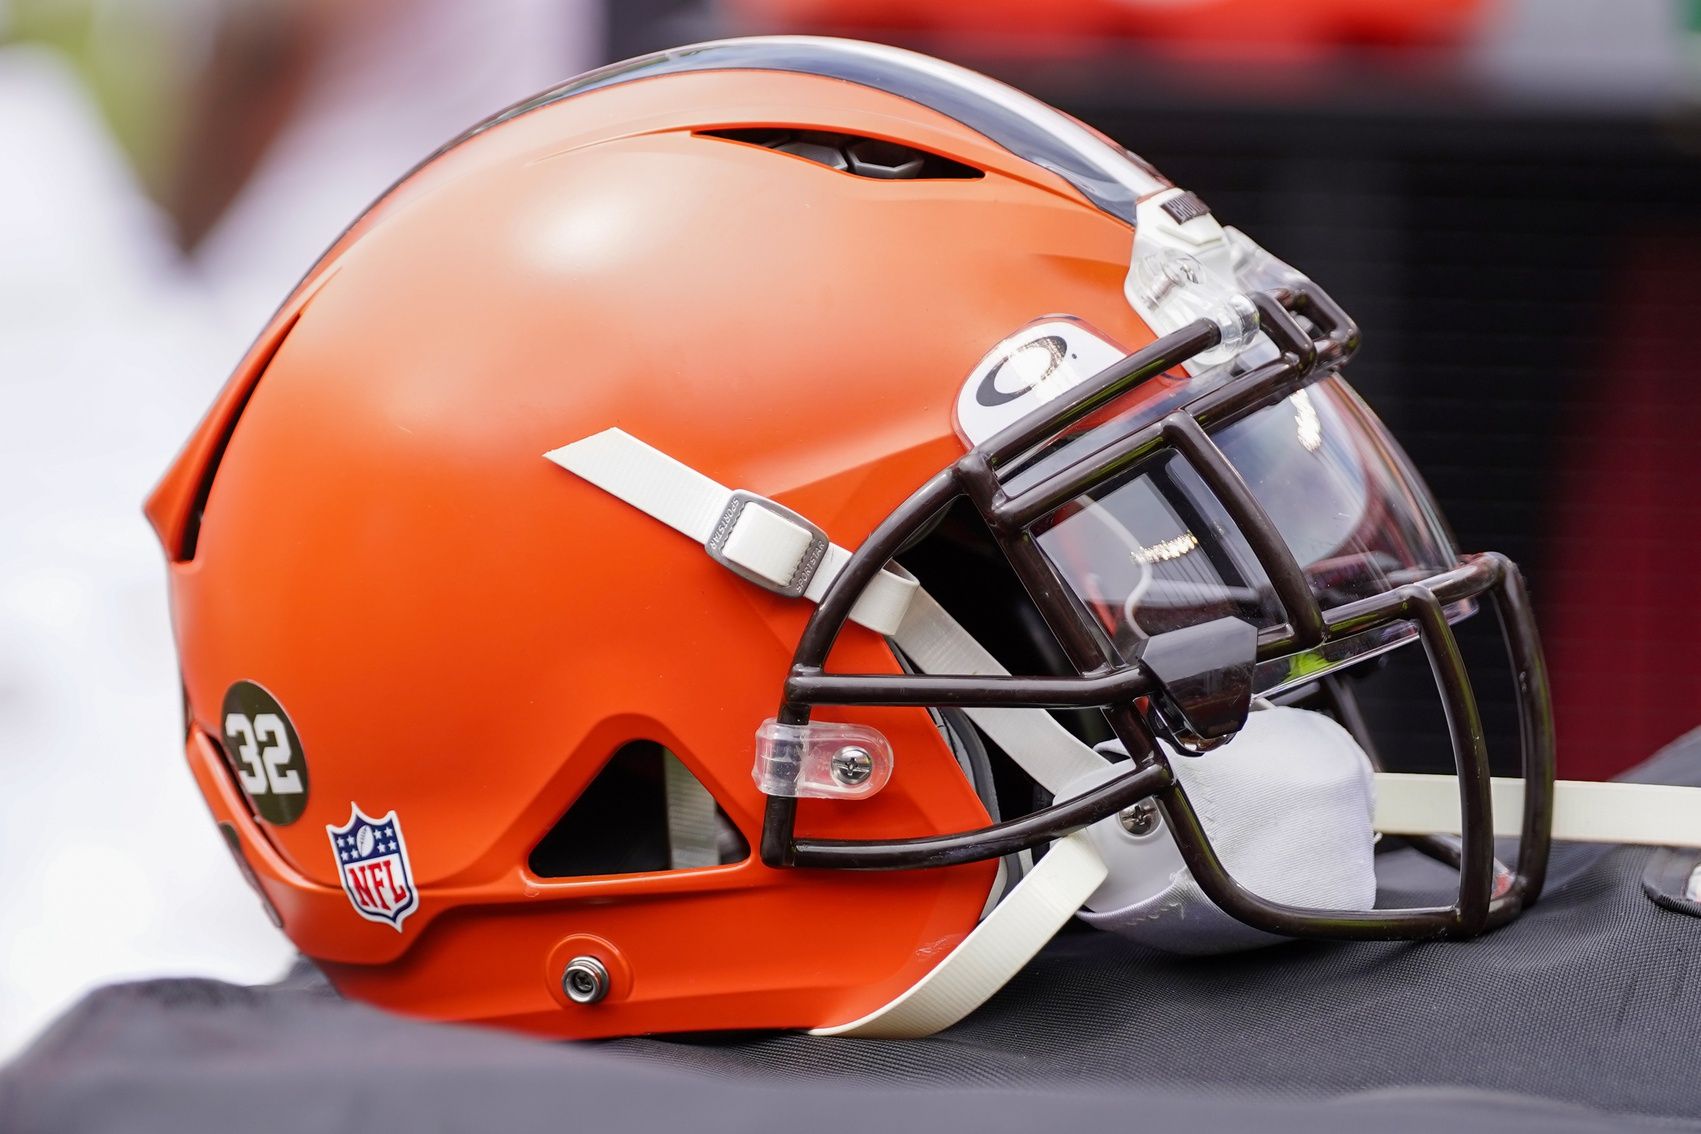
(643, 813)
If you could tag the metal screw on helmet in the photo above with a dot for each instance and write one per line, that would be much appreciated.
(1141, 819)
(585, 980)
(852, 765)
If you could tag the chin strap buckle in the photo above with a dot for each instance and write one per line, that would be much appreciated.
(768, 544)
(750, 535)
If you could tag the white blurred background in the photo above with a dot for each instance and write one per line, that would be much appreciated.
(265, 126)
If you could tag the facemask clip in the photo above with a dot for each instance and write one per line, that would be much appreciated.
(821, 760)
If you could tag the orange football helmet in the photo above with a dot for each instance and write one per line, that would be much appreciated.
(536, 578)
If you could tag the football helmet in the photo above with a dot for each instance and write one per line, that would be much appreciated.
(762, 534)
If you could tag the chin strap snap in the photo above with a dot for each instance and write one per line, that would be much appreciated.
(764, 542)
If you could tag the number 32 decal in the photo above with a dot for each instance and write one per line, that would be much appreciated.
(265, 753)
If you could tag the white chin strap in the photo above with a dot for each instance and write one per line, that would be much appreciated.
(1584, 811)
(1289, 804)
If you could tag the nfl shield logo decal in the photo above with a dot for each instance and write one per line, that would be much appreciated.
(372, 858)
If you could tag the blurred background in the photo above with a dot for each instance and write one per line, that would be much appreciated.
(1505, 193)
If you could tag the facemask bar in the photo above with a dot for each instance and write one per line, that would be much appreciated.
(1341, 702)
(1112, 685)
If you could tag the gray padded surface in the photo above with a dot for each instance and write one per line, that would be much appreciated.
(1579, 1016)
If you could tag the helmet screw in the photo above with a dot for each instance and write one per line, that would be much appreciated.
(585, 981)
(1141, 819)
(852, 765)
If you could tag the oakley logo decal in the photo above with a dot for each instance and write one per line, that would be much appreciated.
(1031, 364)
(1025, 371)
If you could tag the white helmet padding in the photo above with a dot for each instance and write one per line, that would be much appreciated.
(1288, 804)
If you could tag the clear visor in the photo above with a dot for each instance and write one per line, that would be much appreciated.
(1152, 551)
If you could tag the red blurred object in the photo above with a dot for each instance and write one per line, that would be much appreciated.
(1263, 26)
(1619, 617)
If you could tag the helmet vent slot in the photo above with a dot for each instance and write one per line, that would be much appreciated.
(873, 158)
(644, 812)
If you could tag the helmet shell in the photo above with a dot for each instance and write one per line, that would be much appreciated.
(464, 634)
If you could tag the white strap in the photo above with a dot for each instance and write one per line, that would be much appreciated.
(648, 479)
(693, 828)
(884, 601)
(1583, 811)
(766, 543)
(994, 951)
(1041, 747)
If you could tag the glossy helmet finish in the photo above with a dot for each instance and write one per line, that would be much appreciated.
(774, 263)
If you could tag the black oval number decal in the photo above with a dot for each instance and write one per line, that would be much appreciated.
(265, 753)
